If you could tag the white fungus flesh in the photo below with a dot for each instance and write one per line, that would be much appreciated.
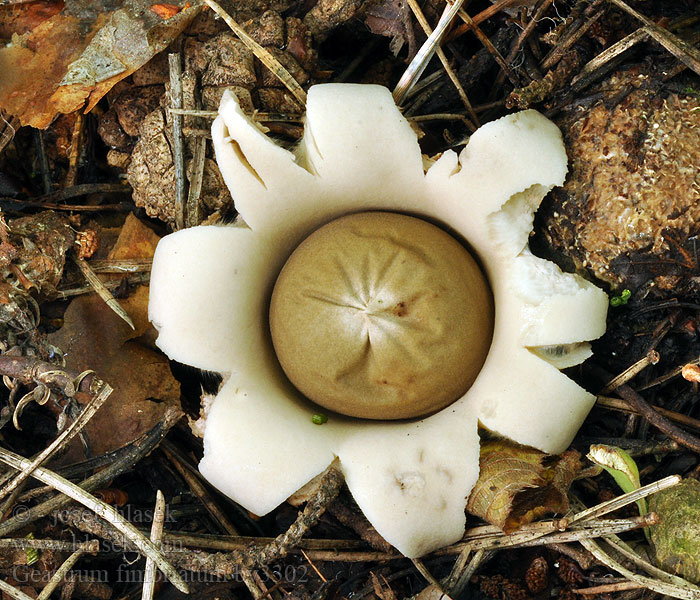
(211, 288)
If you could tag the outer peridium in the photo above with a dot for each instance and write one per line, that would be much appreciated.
(358, 153)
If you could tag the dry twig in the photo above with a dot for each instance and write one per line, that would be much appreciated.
(544, 533)
(591, 69)
(681, 49)
(105, 511)
(263, 55)
(91, 546)
(223, 564)
(216, 513)
(60, 574)
(622, 405)
(418, 13)
(112, 284)
(61, 440)
(175, 69)
(651, 358)
(616, 503)
(195, 190)
(102, 290)
(576, 32)
(425, 53)
(125, 265)
(149, 575)
(13, 592)
(641, 406)
(609, 588)
(198, 488)
(684, 592)
(124, 460)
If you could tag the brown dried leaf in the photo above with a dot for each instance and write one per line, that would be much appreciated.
(382, 588)
(76, 56)
(390, 19)
(93, 337)
(41, 242)
(518, 484)
(432, 592)
(329, 14)
(20, 18)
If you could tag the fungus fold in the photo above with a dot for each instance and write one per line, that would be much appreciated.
(211, 288)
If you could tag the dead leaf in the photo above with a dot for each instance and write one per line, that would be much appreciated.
(432, 592)
(518, 484)
(382, 588)
(41, 242)
(76, 56)
(20, 18)
(390, 18)
(165, 11)
(93, 337)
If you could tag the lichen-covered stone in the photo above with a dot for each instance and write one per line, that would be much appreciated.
(677, 538)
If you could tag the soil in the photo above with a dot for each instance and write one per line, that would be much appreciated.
(98, 189)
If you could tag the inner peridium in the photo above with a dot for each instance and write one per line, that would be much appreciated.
(382, 316)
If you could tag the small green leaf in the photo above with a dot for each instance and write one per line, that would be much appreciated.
(32, 553)
(319, 419)
(622, 299)
(623, 469)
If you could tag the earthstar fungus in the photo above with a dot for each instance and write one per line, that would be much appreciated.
(211, 288)
(381, 316)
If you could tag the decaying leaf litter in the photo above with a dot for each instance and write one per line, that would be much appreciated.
(620, 79)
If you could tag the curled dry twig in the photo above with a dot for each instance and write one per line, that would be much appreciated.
(61, 440)
(29, 370)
